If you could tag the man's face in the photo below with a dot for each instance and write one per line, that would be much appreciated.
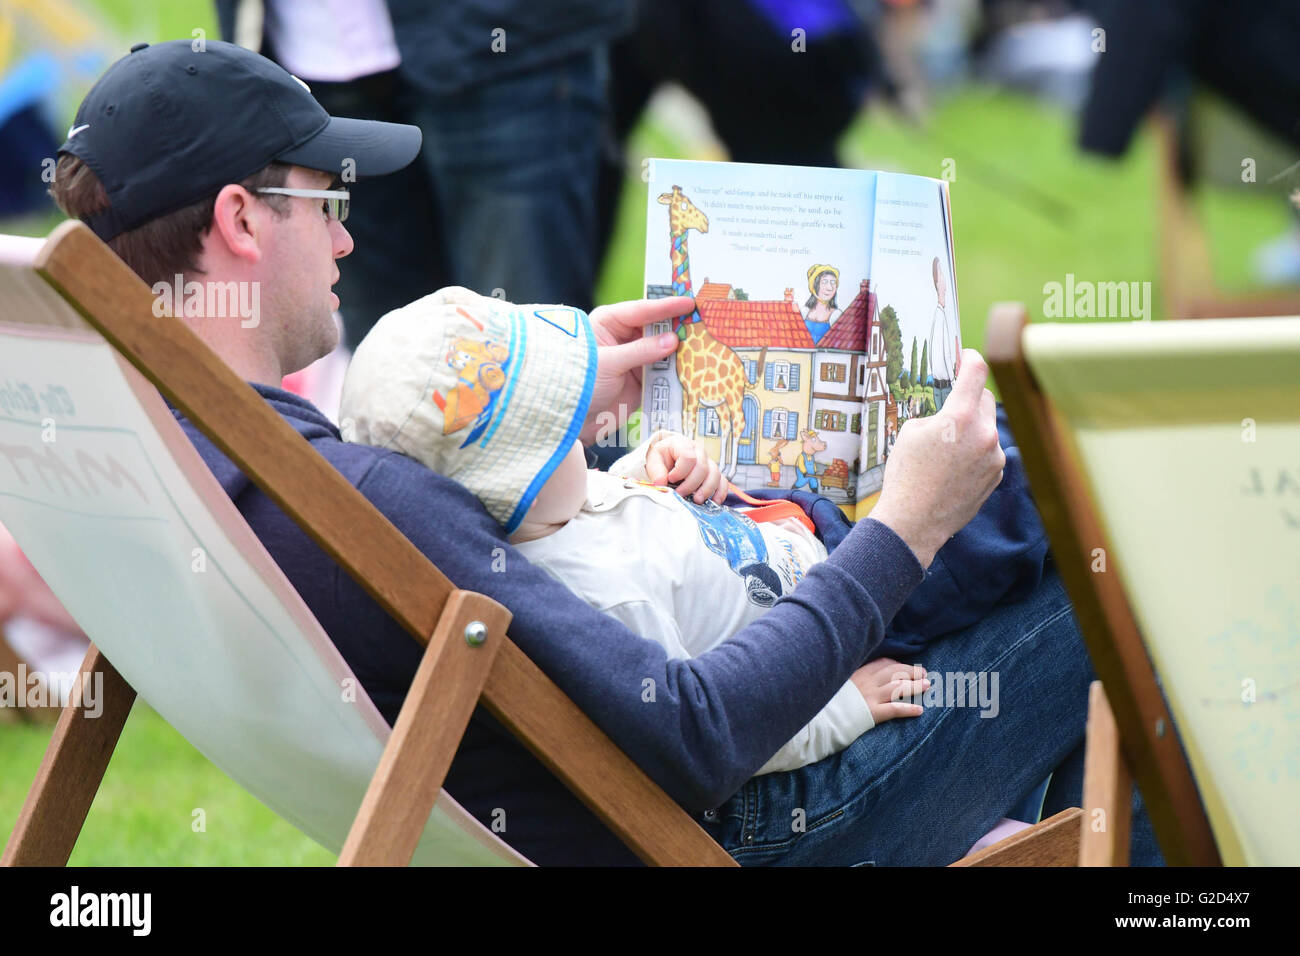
(298, 270)
(941, 289)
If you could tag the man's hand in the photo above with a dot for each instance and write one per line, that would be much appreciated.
(943, 467)
(676, 459)
(622, 350)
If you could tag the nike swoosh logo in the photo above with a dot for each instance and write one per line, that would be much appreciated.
(74, 130)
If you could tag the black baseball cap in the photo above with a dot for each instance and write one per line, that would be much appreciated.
(170, 124)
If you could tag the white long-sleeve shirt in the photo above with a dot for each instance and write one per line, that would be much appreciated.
(688, 577)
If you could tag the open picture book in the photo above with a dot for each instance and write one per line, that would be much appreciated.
(825, 317)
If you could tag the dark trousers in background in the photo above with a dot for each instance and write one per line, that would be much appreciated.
(500, 200)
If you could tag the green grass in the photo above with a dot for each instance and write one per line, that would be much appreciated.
(1028, 208)
(144, 813)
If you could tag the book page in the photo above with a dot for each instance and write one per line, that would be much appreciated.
(912, 366)
(770, 369)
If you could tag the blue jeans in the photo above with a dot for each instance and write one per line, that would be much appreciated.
(501, 197)
(920, 790)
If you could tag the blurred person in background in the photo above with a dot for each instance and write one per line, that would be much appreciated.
(781, 80)
(47, 48)
(1041, 47)
(1245, 53)
(510, 96)
(32, 621)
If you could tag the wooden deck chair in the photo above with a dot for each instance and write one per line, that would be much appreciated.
(113, 506)
(1163, 457)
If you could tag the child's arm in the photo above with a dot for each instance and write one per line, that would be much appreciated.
(872, 696)
(671, 458)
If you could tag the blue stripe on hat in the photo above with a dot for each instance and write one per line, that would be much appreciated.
(570, 434)
(518, 344)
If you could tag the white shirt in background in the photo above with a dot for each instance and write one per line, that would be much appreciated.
(638, 552)
(332, 40)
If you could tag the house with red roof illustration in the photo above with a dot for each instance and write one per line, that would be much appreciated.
(849, 383)
(792, 383)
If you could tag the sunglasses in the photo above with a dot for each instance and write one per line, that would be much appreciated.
(336, 200)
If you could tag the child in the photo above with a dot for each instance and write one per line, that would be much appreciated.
(494, 395)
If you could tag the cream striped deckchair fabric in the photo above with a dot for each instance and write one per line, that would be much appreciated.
(1187, 434)
(110, 502)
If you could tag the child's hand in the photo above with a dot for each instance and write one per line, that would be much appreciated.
(884, 683)
(676, 459)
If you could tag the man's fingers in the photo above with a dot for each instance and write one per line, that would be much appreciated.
(615, 360)
(624, 321)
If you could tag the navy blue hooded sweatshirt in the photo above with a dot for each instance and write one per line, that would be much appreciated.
(714, 720)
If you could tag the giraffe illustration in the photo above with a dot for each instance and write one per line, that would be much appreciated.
(711, 374)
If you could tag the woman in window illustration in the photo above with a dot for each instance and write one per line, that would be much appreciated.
(821, 309)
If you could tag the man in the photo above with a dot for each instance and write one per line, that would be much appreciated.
(218, 164)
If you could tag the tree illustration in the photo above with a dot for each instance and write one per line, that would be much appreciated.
(925, 363)
(912, 369)
(893, 337)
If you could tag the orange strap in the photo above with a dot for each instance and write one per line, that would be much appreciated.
(765, 510)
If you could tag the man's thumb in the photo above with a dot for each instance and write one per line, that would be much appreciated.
(638, 352)
(969, 385)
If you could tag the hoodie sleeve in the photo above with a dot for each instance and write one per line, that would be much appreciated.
(716, 718)
(843, 720)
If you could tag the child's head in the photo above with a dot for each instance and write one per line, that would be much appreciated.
(485, 392)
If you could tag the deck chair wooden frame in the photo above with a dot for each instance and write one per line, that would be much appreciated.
(1129, 723)
(455, 674)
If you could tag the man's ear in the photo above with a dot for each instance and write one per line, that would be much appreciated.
(237, 223)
